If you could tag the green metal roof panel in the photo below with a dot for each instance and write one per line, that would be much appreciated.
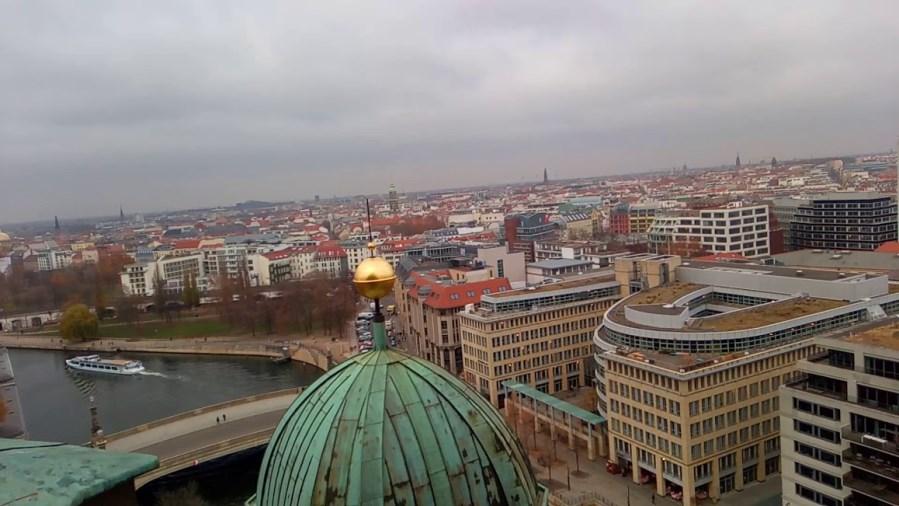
(56, 474)
(559, 404)
(388, 428)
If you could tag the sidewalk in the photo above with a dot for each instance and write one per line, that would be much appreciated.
(593, 478)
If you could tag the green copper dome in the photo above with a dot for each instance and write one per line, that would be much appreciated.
(388, 428)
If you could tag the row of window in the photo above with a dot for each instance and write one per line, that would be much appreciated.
(734, 344)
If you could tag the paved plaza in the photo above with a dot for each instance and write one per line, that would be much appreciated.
(615, 489)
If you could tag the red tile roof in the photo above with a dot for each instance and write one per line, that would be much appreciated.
(449, 296)
(888, 247)
(186, 244)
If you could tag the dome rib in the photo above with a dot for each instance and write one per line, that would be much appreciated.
(387, 428)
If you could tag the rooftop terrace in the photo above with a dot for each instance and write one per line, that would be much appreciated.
(666, 294)
(765, 314)
(882, 335)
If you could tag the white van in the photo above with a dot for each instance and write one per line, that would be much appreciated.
(365, 316)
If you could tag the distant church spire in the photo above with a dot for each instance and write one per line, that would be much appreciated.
(738, 159)
(545, 176)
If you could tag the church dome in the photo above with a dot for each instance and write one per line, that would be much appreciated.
(387, 428)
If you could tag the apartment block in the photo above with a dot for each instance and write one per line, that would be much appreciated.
(840, 421)
(430, 297)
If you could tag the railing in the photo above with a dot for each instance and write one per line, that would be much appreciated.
(199, 411)
(194, 457)
(877, 490)
(871, 463)
(870, 441)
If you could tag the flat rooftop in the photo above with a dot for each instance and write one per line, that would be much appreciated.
(574, 281)
(655, 299)
(666, 294)
(881, 334)
(766, 314)
(774, 270)
(559, 263)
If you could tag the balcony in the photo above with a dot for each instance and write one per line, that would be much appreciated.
(876, 488)
(879, 444)
(871, 462)
(803, 385)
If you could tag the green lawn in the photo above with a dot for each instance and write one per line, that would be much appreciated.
(163, 330)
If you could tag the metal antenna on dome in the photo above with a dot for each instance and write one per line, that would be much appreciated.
(371, 237)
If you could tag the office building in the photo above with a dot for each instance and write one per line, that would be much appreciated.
(735, 228)
(688, 371)
(845, 221)
(840, 421)
(506, 265)
(538, 336)
(523, 230)
(640, 217)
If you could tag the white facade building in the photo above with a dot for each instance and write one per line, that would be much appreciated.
(734, 229)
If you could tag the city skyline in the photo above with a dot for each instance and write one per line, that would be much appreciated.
(165, 108)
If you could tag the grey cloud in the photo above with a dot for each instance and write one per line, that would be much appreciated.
(235, 100)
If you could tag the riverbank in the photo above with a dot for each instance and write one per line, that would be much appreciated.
(316, 352)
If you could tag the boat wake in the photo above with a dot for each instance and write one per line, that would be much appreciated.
(151, 373)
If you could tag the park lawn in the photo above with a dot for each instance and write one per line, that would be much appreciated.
(166, 330)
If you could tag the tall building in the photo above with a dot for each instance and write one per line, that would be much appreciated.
(735, 228)
(845, 221)
(523, 230)
(393, 199)
(840, 421)
(688, 372)
(538, 336)
(545, 176)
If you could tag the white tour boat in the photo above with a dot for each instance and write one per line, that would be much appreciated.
(97, 364)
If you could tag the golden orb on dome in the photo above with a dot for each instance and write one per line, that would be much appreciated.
(374, 278)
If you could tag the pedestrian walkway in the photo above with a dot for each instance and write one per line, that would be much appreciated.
(592, 478)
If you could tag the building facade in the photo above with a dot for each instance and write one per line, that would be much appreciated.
(688, 372)
(429, 299)
(840, 421)
(845, 221)
(692, 232)
(537, 336)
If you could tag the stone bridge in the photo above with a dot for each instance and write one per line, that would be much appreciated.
(193, 437)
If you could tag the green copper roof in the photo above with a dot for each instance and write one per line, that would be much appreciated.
(51, 474)
(387, 428)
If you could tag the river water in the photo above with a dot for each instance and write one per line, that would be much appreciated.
(55, 400)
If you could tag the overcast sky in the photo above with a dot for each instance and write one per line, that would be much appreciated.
(174, 103)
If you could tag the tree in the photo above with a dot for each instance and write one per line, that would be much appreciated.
(190, 294)
(78, 323)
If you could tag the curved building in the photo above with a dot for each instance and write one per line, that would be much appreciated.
(688, 371)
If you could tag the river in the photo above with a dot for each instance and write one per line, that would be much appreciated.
(55, 400)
